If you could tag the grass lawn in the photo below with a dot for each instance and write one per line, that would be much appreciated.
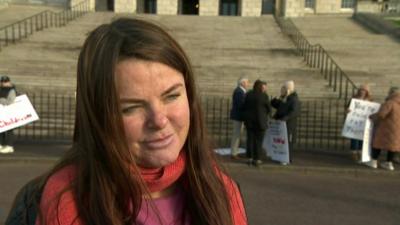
(397, 22)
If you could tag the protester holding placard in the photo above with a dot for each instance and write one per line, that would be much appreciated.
(7, 96)
(363, 93)
(288, 109)
(387, 130)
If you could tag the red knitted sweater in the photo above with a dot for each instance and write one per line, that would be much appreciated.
(65, 213)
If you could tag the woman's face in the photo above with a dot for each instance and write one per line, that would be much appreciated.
(363, 93)
(283, 91)
(155, 110)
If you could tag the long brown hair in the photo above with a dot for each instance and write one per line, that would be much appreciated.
(102, 192)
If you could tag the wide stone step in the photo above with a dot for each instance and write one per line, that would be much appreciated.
(47, 60)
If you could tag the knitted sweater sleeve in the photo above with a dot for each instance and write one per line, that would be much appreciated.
(57, 205)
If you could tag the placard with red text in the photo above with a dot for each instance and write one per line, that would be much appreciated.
(19, 113)
(276, 141)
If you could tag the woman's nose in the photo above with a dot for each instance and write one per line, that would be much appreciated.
(157, 118)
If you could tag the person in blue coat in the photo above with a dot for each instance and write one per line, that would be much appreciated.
(238, 97)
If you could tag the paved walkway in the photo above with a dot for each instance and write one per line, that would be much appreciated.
(303, 161)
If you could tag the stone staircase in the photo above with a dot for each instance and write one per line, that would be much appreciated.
(47, 59)
(224, 48)
(15, 12)
(365, 56)
(221, 49)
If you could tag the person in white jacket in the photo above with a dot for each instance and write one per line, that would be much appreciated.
(7, 96)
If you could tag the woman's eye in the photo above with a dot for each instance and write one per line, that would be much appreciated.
(172, 97)
(130, 109)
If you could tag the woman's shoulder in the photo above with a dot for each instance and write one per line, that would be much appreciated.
(58, 202)
(61, 178)
(236, 200)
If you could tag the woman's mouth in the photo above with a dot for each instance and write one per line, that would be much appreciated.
(159, 143)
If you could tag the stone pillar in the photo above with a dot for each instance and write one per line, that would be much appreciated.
(328, 6)
(167, 7)
(293, 8)
(125, 6)
(251, 7)
(208, 7)
(92, 3)
(278, 8)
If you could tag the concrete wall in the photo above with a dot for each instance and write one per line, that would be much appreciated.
(208, 7)
(378, 24)
(167, 7)
(293, 8)
(369, 6)
(251, 7)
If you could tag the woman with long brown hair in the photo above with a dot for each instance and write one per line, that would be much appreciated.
(141, 153)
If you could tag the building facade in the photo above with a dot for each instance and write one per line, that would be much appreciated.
(299, 8)
(286, 8)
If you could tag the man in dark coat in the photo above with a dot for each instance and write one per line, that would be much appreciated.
(288, 109)
(238, 97)
(256, 112)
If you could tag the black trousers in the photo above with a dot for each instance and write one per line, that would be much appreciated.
(7, 138)
(254, 143)
(376, 152)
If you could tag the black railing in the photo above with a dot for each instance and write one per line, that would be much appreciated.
(317, 57)
(56, 113)
(319, 125)
(22, 29)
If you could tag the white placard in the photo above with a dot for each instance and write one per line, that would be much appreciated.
(367, 142)
(355, 120)
(228, 151)
(276, 141)
(19, 113)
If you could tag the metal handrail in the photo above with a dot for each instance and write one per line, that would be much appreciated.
(317, 57)
(16, 31)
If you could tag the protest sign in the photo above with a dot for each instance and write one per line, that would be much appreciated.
(355, 120)
(19, 113)
(276, 141)
(367, 142)
(228, 151)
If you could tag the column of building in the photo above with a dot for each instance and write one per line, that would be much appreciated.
(91, 3)
(251, 7)
(208, 7)
(167, 7)
(125, 6)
